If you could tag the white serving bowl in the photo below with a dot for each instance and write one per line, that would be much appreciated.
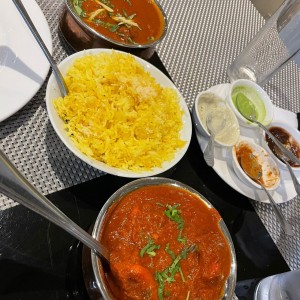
(270, 166)
(208, 101)
(53, 92)
(261, 99)
(293, 132)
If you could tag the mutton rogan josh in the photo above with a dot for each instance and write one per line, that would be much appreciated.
(132, 22)
(164, 243)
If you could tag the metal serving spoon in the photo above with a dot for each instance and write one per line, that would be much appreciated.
(59, 78)
(293, 176)
(215, 123)
(252, 117)
(255, 173)
(14, 185)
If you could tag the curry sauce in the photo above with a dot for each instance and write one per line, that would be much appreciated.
(127, 21)
(165, 243)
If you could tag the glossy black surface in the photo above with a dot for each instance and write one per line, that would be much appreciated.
(38, 260)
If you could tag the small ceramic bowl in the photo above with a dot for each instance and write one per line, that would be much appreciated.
(210, 103)
(292, 139)
(270, 170)
(258, 97)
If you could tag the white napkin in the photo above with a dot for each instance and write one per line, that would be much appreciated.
(285, 116)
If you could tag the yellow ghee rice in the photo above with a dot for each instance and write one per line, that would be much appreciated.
(117, 113)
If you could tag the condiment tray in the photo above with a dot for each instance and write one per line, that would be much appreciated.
(224, 169)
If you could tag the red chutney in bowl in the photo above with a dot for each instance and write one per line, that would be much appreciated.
(165, 243)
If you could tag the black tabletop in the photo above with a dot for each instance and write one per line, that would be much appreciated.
(38, 260)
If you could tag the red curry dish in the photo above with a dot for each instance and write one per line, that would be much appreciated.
(127, 21)
(165, 243)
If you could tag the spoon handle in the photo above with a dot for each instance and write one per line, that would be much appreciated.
(208, 153)
(294, 178)
(14, 185)
(287, 227)
(59, 78)
(284, 150)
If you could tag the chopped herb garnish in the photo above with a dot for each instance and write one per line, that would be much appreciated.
(77, 5)
(114, 28)
(170, 252)
(161, 285)
(174, 214)
(168, 274)
(111, 27)
(149, 248)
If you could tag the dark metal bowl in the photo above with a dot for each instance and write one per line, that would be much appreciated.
(73, 27)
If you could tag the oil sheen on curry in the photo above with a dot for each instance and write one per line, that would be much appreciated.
(138, 22)
(165, 243)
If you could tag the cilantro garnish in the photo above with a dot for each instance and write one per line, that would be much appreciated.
(149, 248)
(168, 274)
(174, 214)
(77, 5)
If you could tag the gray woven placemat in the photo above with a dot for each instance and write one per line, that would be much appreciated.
(204, 37)
(203, 40)
(29, 140)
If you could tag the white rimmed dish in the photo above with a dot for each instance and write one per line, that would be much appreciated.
(23, 65)
(208, 102)
(259, 98)
(295, 135)
(53, 92)
(270, 171)
(223, 166)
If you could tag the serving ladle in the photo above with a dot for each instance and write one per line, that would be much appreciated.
(251, 116)
(59, 78)
(255, 173)
(14, 185)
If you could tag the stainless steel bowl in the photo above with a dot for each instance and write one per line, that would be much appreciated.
(99, 270)
(107, 42)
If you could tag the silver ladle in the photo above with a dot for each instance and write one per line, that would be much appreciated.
(14, 185)
(59, 78)
(252, 117)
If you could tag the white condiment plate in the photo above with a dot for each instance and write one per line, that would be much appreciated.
(223, 166)
(23, 65)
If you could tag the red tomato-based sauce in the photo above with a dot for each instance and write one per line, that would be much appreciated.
(139, 222)
(126, 21)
